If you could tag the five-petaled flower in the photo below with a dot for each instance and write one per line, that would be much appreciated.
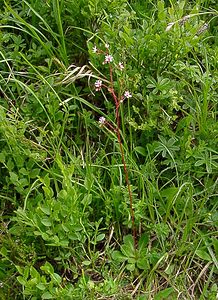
(108, 59)
(127, 94)
(98, 85)
(102, 120)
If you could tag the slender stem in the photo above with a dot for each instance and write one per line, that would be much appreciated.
(117, 103)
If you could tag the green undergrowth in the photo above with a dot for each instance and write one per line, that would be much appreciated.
(66, 227)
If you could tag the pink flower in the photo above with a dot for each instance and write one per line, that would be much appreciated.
(121, 66)
(108, 59)
(127, 94)
(98, 85)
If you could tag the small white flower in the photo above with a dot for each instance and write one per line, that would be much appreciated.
(127, 94)
(107, 46)
(102, 120)
(108, 59)
(94, 49)
(121, 66)
(98, 85)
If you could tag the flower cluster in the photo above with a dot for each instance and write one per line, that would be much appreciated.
(98, 84)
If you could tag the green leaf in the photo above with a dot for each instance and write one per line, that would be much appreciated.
(86, 262)
(199, 163)
(2, 157)
(4, 252)
(47, 295)
(142, 263)
(140, 150)
(143, 242)
(130, 267)
(46, 222)
(203, 255)
(118, 256)
(46, 209)
(164, 294)
(57, 278)
(48, 268)
(215, 245)
(128, 248)
(21, 280)
(13, 177)
(100, 237)
(33, 272)
(41, 286)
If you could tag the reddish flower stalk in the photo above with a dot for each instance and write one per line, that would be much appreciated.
(117, 104)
